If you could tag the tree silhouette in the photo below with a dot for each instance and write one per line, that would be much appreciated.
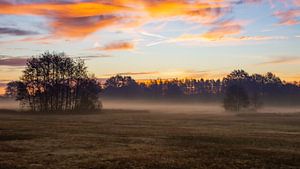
(55, 82)
(173, 89)
(88, 93)
(12, 89)
(17, 90)
(260, 89)
(235, 98)
(156, 88)
(122, 86)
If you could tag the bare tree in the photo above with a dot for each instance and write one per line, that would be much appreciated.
(55, 82)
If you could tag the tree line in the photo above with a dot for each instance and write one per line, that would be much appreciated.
(55, 82)
(266, 88)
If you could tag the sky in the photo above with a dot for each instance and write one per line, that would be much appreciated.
(149, 39)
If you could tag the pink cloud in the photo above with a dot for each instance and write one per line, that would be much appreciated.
(289, 17)
(12, 61)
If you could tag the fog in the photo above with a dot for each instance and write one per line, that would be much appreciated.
(187, 108)
(167, 107)
(9, 104)
(164, 106)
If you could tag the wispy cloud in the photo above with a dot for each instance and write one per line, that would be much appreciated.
(16, 31)
(152, 35)
(195, 73)
(38, 40)
(222, 30)
(165, 74)
(116, 46)
(88, 57)
(225, 31)
(12, 61)
(201, 38)
(133, 73)
(281, 60)
(289, 17)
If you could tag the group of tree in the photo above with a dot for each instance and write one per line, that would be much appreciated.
(55, 82)
(247, 90)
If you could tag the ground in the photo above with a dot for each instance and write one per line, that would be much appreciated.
(121, 139)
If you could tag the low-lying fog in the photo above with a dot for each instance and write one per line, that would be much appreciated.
(9, 104)
(194, 108)
(164, 107)
(167, 107)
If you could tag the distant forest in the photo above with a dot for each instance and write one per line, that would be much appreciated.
(56, 82)
(266, 88)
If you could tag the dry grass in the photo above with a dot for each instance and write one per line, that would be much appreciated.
(120, 139)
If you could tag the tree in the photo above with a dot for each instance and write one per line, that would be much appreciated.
(89, 93)
(261, 89)
(173, 90)
(236, 98)
(122, 86)
(156, 88)
(17, 90)
(237, 76)
(55, 82)
(271, 78)
(12, 89)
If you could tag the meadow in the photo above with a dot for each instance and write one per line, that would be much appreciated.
(137, 138)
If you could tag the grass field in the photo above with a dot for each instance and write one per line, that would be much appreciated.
(120, 139)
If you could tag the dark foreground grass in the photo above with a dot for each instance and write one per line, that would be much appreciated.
(123, 139)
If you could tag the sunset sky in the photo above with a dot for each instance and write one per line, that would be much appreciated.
(155, 38)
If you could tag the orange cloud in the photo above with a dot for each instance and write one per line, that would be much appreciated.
(69, 19)
(222, 30)
(82, 9)
(117, 46)
(182, 7)
(82, 26)
(256, 38)
(78, 19)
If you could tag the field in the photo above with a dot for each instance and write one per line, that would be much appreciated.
(120, 139)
